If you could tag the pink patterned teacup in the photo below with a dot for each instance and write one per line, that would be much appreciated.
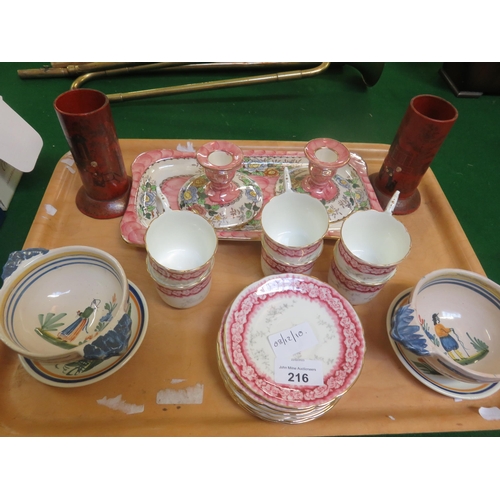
(372, 244)
(356, 292)
(180, 249)
(270, 265)
(188, 279)
(351, 266)
(293, 227)
(291, 256)
(183, 298)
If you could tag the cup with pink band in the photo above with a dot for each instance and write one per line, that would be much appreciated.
(371, 246)
(181, 247)
(293, 227)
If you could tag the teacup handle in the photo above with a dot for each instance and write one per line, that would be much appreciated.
(20, 257)
(164, 200)
(287, 180)
(392, 203)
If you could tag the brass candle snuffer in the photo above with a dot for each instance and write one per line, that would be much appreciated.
(84, 72)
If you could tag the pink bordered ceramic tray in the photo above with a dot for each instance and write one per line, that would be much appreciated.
(170, 170)
(277, 303)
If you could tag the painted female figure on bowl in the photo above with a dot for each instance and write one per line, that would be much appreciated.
(72, 331)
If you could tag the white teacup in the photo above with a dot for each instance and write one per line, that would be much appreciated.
(270, 265)
(183, 298)
(372, 244)
(356, 292)
(291, 256)
(188, 280)
(180, 248)
(293, 227)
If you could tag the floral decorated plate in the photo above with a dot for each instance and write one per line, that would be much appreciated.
(85, 372)
(426, 374)
(238, 213)
(293, 319)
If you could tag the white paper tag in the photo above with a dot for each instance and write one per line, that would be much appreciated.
(289, 342)
(298, 372)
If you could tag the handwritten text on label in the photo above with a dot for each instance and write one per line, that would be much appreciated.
(293, 340)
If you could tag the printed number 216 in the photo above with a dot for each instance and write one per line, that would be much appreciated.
(298, 377)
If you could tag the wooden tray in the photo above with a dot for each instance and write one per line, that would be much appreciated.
(179, 352)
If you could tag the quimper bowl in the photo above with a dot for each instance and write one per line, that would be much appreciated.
(452, 320)
(65, 304)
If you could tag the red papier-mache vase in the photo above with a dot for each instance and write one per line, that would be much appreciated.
(86, 119)
(425, 126)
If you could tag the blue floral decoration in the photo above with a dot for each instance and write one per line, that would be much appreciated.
(113, 343)
(405, 333)
(149, 199)
(193, 195)
(252, 195)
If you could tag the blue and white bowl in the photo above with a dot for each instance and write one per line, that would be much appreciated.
(65, 304)
(452, 320)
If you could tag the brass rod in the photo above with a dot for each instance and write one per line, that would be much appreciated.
(123, 71)
(182, 66)
(193, 87)
(72, 69)
(238, 66)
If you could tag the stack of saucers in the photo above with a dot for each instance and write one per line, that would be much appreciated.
(277, 324)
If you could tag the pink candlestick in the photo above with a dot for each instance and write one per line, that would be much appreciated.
(220, 160)
(325, 157)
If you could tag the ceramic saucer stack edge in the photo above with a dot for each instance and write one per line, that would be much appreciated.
(246, 357)
(259, 406)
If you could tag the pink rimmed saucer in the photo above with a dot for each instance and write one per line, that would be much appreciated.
(256, 405)
(279, 302)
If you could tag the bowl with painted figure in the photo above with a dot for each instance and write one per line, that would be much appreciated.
(452, 321)
(65, 304)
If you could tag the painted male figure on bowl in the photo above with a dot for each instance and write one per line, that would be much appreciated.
(450, 345)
